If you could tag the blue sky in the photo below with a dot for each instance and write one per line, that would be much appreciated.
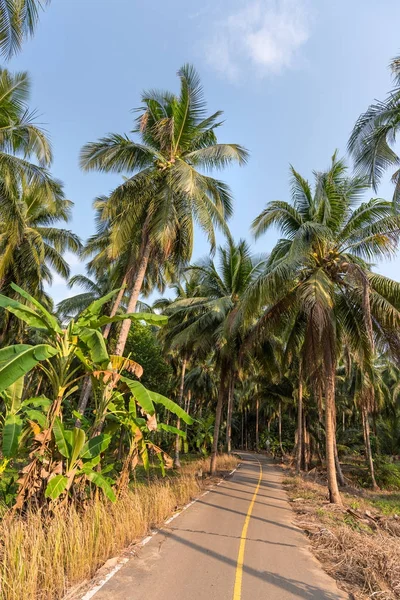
(291, 76)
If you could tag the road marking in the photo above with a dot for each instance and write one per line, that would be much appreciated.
(237, 591)
(93, 591)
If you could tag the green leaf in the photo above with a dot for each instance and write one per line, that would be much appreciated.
(14, 393)
(149, 318)
(102, 483)
(49, 319)
(36, 415)
(38, 401)
(88, 466)
(94, 308)
(96, 344)
(29, 316)
(144, 455)
(78, 442)
(95, 446)
(161, 461)
(11, 351)
(23, 362)
(56, 486)
(142, 395)
(172, 407)
(11, 433)
(172, 429)
(62, 444)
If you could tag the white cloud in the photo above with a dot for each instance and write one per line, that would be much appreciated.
(266, 34)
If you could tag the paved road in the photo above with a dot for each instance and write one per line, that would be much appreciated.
(198, 555)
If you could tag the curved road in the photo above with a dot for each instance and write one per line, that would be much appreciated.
(237, 542)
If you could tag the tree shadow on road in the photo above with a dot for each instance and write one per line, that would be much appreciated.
(298, 589)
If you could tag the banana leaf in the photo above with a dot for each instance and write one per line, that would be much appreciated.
(26, 314)
(172, 429)
(96, 345)
(172, 407)
(149, 318)
(49, 319)
(11, 433)
(141, 394)
(102, 483)
(95, 446)
(56, 486)
(23, 362)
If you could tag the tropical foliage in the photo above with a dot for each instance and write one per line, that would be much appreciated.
(296, 351)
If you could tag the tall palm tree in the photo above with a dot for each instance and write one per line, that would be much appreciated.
(211, 319)
(373, 137)
(319, 276)
(167, 190)
(18, 19)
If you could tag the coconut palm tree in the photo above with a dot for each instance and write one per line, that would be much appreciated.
(31, 243)
(167, 190)
(319, 275)
(20, 137)
(18, 20)
(372, 141)
(211, 319)
(31, 246)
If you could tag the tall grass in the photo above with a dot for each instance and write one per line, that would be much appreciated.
(40, 559)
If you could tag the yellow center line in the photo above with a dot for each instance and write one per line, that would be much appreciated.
(237, 591)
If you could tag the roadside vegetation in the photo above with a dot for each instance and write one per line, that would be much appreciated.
(358, 543)
(104, 396)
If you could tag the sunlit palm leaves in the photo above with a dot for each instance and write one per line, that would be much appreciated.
(18, 19)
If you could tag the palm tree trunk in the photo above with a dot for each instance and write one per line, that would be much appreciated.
(115, 307)
(177, 462)
(339, 474)
(334, 495)
(299, 425)
(257, 425)
(140, 274)
(242, 444)
(368, 450)
(364, 409)
(280, 427)
(218, 414)
(231, 384)
(306, 445)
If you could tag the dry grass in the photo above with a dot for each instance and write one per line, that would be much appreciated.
(42, 560)
(357, 544)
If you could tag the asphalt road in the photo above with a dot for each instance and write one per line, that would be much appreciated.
(237, 542)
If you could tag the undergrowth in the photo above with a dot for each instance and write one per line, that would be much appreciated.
(358, 544)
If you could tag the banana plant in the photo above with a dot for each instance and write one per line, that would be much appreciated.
(139, 426)
(68, 355)
(81, 456)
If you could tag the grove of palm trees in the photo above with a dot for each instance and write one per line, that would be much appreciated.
(160, 364)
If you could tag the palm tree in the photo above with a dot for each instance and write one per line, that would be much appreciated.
(166, 192)
(31, 246)
(20, 138)
(211, 319)
(374, 135)
(18, 19)
(318, 276)
(31, 243)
